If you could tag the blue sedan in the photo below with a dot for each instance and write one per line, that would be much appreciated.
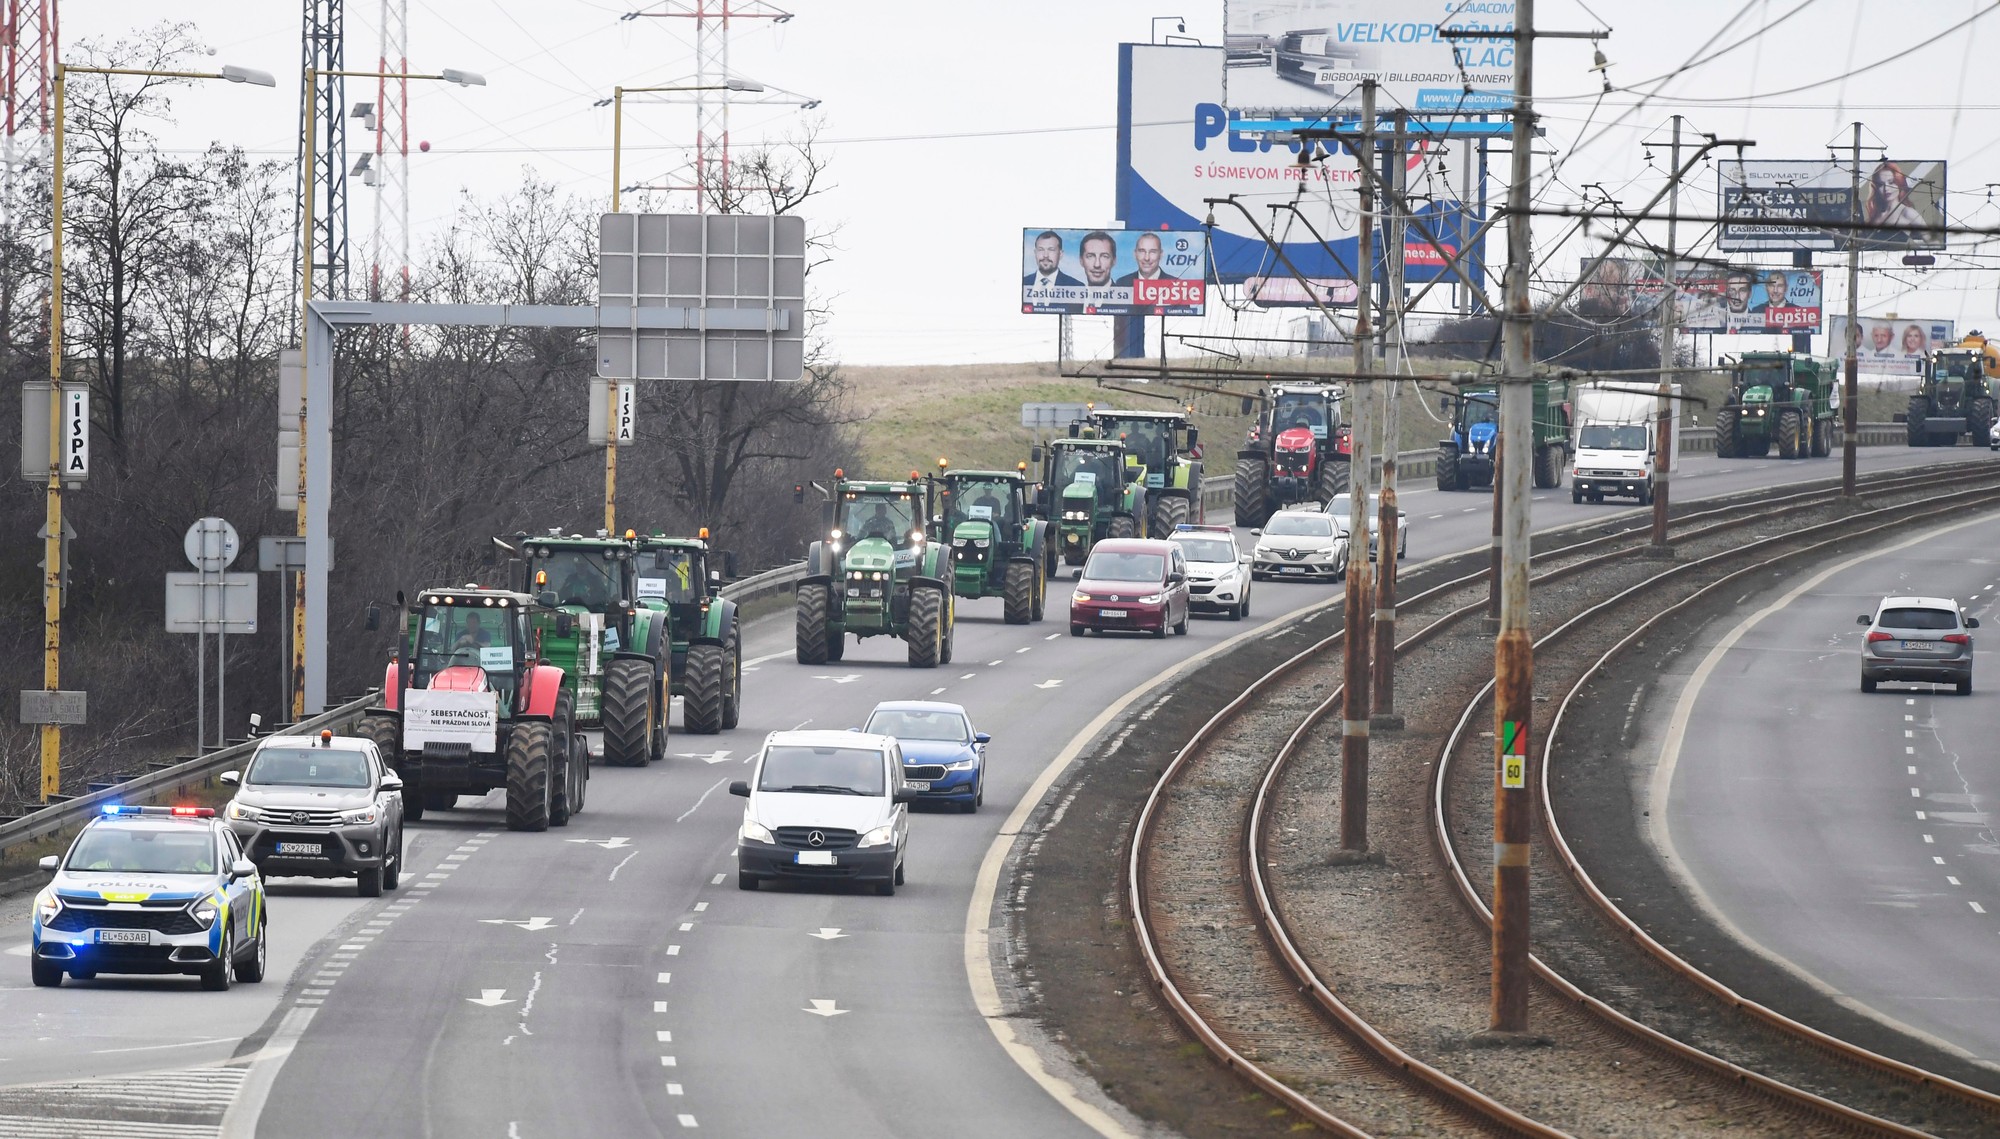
(944, 760)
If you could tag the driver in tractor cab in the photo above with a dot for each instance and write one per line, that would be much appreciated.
(588, 588)
(879, 525)
(472, 635)
(988, 506)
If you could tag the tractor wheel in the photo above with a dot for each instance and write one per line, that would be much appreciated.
(705, 678)
(1791, 435)
(732, 683)
(628, 713)
(385, 733)
(1253, 492)
(530, 747)
(948, 634)
(1549, 465)
(814, 646)
(925, 631)
(1122, 526)
(1041, 594)
(1168, 512)
(1333, 479)
(1728, 439)
(1979, 418)
(1446, 468)
(1913, 421)
(562, 780)
(1018, 594)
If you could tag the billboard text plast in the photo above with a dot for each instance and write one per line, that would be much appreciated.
(1113, 272)
(1177, 147)
(1312, 55)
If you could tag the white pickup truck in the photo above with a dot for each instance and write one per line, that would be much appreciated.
(1615, 429)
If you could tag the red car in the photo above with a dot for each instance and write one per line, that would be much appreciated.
(1131, 583)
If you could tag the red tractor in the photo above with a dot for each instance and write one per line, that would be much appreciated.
(1297, 452)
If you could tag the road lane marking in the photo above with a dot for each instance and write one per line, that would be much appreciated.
(662, 1036)
(700, 907)
(1908, 734)
(1922, 816)
(1050, 683)
(700, 801)
(828, 933)
(530, 924)
(717, 880)
(1913, 770)
(995, 663)
(1052, 636)
(1916, 794)
(936, 691)
(968, 676)
(1938, 860)
(824, 1008)
(659, 1006)
(673, 951)
(606, 843)
(669, 1062)
(1024, 648)
(664, 979)
(1976, 907)
(491, 998)
(157, 1047)
(674, 1089)
(1951, 879)
(621, 866)
(688, 1121)
(686, 925)
(1432, 517)
(1928, 838)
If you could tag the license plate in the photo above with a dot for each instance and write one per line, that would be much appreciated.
(125, 936)
(299, 848)
(918, 784)
(813, 858)
(1113, 613)
(1294, 569)
(1921, 646)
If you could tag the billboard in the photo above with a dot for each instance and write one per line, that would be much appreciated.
(1113, 272)
(1711, 298)
(1311, 55)
(1893, 345)
(1792, 203)
(1178, 145)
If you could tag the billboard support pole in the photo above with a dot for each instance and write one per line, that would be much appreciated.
(1850, 410)
(1663, 441)
(1354, 726)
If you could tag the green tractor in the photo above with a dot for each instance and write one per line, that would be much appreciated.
(612, 650)
(677, 576)
(1158, 443)
(876, 573)
(997, 546)
(1777, 397)
(1466, 459)
(1955, 395)
(1090, 493)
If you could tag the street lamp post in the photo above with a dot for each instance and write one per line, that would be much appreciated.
(52, 576)
(312, 78)
(617, 102)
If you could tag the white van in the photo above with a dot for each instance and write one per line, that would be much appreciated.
(824, 806)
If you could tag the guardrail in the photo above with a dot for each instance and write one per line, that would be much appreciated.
(57, 816)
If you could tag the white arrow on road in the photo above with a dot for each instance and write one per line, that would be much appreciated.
(825, 1008)
(826, 934)
(606, 843)
(1049, 684)
(492, 998)
(848, 679)
(530, 925)
(707, 757)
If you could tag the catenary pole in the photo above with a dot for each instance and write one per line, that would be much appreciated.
(1354, 725)
(1850, 402)
(1663, 442)
(1395, 234)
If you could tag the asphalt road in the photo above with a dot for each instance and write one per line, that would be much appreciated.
(609, 978)
(1852, 835)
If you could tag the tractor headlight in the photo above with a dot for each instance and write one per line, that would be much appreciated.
(982, 543)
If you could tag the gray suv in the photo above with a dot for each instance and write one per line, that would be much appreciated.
(320, 807)
(1920, 639)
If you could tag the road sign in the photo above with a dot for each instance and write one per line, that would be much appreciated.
(40, 707)
(286, 553)
(1053, 415)
(738, 282)
(211, 544)
(602, 394)
(211, 603)
(76, 433)
(75, 441)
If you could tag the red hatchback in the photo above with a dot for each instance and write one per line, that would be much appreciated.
(1131, 583)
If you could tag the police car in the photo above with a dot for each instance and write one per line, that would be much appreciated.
(1218, 573)
(151, 890)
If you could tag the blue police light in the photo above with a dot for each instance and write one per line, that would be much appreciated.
(119, 809)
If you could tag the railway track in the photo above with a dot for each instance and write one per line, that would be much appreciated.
(1211, 926)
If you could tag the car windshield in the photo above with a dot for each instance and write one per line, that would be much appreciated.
(581, 577)
(890, 517)
(1107, 566)
(1299, 522)
(1915, 618)
(112, 848)
(1209, 549)
(308, 767)
(1612, 437)
(822, 770)
(919, 724)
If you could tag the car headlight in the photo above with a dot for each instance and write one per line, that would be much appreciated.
(204, 913)
(1152, 599)
(47, 906)
(880, 836)
(754, 831)
(358, 818)
(962, 765)
(243, 813)
(1079, 595)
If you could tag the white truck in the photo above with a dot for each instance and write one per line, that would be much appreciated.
(1615, 430)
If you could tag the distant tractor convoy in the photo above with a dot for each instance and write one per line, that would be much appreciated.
(1782, 399)
(1466, 457)
(1955, 395)
(1297, 452)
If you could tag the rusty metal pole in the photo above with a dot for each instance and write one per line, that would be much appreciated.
(1513, 650)
(1394, 231)
(1664, 444)
(1493, 562)
(1354, 715)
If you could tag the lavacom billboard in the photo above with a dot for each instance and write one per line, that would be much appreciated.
(1890, 345)
(1312, 55)
(1178, 145)
(1712, 298)
(1773, 204)
(1113, 272)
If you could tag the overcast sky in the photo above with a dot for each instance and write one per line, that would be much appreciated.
(952, 124)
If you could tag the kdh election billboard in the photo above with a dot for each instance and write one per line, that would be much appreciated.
(1774, 204)
(1711, 298)
(1178, 146)
(1113, 272)
(1312, 56)
(1890, 345)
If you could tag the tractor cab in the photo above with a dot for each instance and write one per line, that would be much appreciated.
(1083, 474)
(1153, 440)
(699, 638)
(1317, 409)
(880, 522)
(470, 641)
(672, 572)
(983, 503)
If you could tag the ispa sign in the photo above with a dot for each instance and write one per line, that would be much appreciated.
(1178, 146)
